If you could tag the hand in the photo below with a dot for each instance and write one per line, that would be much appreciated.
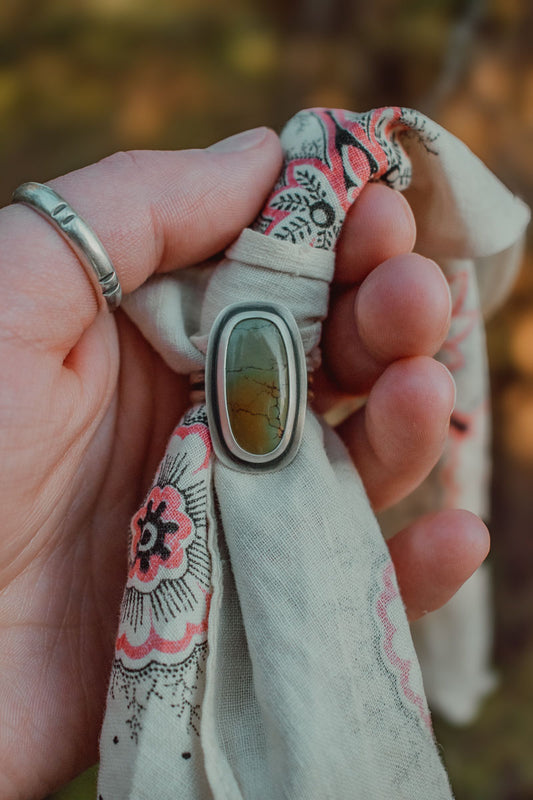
(86, 407)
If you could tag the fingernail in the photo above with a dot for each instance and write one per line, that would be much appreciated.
(240, 141)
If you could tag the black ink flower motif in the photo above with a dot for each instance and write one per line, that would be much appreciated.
(159, 530)
(153, 531)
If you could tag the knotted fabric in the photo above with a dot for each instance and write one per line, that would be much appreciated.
(263, 650)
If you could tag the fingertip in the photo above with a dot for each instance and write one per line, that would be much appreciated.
(435, 555)
(408, 413)
(240, 142)
(468, 532)
(241, 172)
(401, 310)
(454, 542)
(404, 308)
(257, 151)
(399, 434)
(378, 226)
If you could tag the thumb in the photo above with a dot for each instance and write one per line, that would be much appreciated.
(152, 211)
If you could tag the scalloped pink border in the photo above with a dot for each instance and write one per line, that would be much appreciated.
(401, 666)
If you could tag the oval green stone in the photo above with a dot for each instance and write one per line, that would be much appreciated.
(257, 385)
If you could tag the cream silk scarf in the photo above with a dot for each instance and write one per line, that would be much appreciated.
(263, 650)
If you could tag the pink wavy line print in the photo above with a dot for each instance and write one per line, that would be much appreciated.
(203, 432)
(156, 642)
(400, 665)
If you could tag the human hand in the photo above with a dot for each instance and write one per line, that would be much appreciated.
(86, 407)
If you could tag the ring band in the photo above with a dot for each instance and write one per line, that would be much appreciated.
(78, 235)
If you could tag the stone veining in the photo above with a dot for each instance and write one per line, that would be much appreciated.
(257, 384)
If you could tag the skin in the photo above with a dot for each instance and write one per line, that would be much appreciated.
(86, 407)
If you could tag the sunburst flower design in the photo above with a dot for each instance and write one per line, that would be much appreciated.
(153, 530)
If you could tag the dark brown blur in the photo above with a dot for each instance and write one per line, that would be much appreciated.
(81, 80)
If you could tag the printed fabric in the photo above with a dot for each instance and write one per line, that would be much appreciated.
(263, 650)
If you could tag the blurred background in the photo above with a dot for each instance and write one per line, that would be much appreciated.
(81, 80)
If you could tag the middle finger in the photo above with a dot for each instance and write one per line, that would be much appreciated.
(401, 309)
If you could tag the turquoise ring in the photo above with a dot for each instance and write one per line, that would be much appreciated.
(255, 386)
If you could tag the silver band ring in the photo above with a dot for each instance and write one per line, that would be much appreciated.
(81, 238)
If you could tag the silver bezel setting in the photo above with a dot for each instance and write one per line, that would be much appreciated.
(226, 447)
